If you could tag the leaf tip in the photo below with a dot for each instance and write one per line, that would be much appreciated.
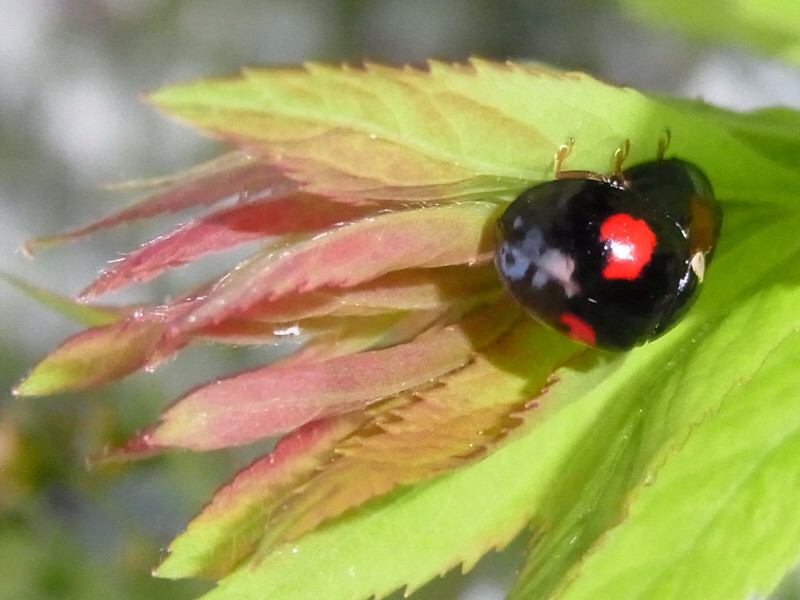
(27, 248)
(46, 379)
(138, 447)
(29, 387)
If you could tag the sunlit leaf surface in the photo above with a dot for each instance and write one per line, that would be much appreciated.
(425, 420)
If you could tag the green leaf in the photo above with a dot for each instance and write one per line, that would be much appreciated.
(457, 132)
(770, 26)
(720, 519)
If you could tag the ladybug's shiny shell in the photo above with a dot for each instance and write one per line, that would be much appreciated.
(615, 261)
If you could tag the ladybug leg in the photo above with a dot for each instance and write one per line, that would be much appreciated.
(620, 155)
(617, 176)
(663, 144)
(561, 154)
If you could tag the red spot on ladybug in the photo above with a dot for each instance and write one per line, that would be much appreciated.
(629, 245)
(579, 329)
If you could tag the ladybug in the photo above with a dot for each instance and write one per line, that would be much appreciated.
(615, 260)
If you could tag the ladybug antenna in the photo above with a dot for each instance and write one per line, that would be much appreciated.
(561, 154)
(663, 144)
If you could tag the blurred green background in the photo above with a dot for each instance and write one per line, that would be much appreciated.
(71, 72)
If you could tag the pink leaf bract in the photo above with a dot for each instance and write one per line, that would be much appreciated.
(344, 257)
(285, 395)
(294, 213)
(235, 174)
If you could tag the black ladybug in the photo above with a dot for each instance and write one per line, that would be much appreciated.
(613, 260)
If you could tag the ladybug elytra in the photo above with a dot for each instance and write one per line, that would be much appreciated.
(613, 260)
